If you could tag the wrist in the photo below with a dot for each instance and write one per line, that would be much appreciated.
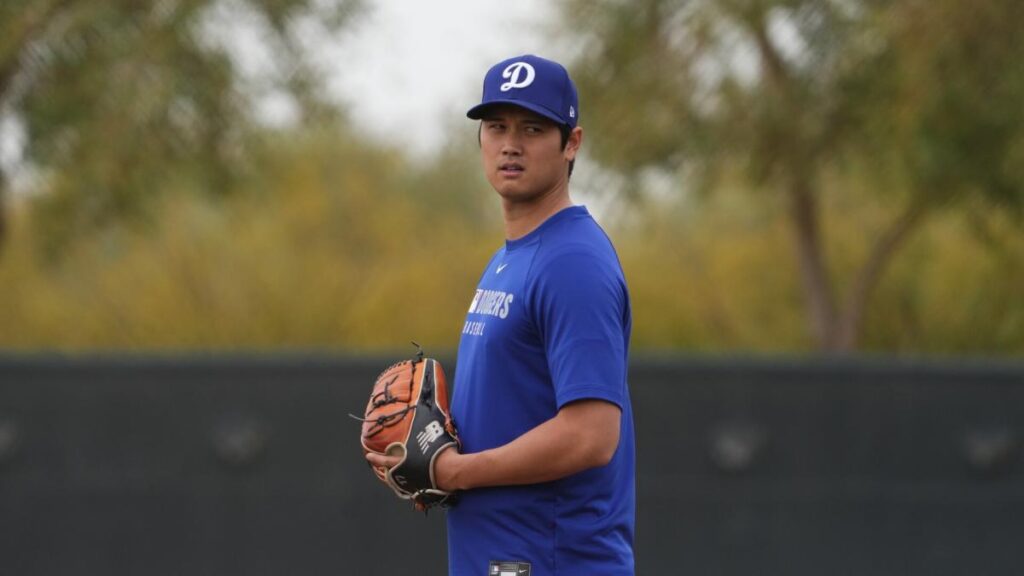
(448, 470)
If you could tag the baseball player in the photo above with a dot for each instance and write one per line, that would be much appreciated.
(546, 472)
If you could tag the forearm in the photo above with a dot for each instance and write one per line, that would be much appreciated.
(576, 439)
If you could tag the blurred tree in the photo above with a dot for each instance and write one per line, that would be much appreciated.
(120, 99)
(333, 242)
(922, 97)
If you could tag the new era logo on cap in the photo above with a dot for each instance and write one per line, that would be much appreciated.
(537, 84)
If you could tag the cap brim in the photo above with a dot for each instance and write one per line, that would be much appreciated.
(477, 112)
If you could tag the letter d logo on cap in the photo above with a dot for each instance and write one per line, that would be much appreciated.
(514, 72)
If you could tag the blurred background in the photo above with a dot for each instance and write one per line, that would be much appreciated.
(220, 218)
(779, 176)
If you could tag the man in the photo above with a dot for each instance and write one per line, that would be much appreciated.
(546, 476)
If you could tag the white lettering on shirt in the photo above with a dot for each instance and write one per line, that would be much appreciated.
(491, 303)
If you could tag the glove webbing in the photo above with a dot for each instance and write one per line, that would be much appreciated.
(393, 418)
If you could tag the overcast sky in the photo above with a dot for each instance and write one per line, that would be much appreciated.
(407, 70)
(411, 69)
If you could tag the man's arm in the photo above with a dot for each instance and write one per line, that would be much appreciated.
(584, 434)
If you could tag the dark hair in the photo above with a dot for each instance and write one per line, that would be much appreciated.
(564, 129)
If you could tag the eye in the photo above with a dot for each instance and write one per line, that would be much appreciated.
(534, 130)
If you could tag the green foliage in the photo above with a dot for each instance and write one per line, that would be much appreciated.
(957, 287)
(167, 217)
(709, 83)
(122, 101)
(943, 105)
(919, 101)
(712, 277)
(335, 244)
(717, 277)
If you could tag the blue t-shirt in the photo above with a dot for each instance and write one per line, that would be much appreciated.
(549, 324)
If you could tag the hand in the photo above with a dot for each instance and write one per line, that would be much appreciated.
(381, 462)
(444, 467)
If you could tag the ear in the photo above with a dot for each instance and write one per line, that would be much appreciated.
(572, 145)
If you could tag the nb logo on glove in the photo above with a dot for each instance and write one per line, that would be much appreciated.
(431, 432)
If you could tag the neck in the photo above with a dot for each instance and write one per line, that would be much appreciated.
(521, 218)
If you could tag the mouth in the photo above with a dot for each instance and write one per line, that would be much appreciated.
(510, 169)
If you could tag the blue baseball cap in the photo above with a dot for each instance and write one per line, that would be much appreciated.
(537, 84)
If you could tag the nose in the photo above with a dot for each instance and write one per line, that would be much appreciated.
(512, 144)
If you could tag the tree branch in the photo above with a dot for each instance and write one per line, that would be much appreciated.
(821, 309)
(778, 72)
(800, 165)
(881, 254)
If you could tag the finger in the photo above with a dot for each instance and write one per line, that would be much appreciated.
(382, 461)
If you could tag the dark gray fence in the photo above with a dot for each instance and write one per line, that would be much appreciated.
(248, 465)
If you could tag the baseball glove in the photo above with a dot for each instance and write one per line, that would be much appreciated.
(407, 416)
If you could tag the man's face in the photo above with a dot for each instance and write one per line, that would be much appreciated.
(522, 153)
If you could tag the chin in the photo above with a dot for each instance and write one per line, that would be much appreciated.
(507, 190)
(515, 194)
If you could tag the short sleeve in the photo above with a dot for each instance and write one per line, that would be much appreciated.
(579, 305)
